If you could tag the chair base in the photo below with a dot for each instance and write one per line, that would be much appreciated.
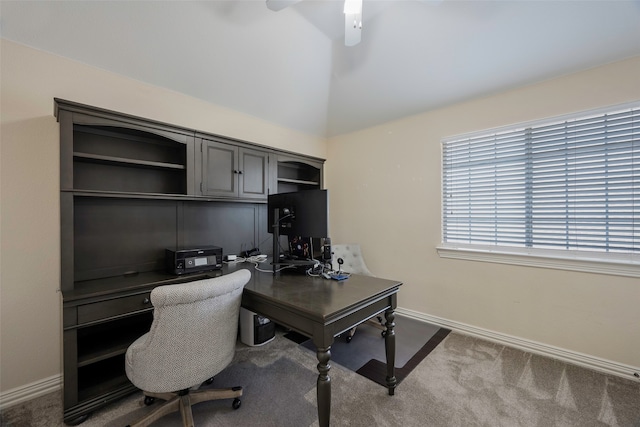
(182, 401)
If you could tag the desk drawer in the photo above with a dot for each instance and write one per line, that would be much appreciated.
(113, 307)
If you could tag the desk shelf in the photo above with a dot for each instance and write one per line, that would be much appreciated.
(299, 182)
(96, 158)
(100, 378)
(110, 339)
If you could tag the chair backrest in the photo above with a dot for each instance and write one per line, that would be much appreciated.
(193, 334)
(352, 257)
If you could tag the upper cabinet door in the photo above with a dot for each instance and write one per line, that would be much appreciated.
(232, 171)
(219, 169)
(253, 174)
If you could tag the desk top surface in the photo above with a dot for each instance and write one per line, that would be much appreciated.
(316, 296)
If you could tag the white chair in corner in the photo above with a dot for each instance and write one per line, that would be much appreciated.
(353, 262)
(192, 338)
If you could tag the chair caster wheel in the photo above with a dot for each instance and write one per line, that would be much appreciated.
(236, 403)
(209, 381)
(349, 338)
(148, 400)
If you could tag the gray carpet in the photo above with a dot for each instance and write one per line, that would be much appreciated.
(463, 382)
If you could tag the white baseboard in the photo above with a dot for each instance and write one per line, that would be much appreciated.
(30, 391)
(568, 356)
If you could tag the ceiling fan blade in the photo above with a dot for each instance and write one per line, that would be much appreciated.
(430, 2)
(277, 5)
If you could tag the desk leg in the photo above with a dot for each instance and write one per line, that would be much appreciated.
(324, 386)
(390, 349)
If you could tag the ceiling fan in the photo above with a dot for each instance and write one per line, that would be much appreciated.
(352, 17)
(352, 14)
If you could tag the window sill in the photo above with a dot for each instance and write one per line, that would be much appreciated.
(543, 259)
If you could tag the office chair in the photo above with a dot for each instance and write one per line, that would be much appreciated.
(192, 338)
(353, 262)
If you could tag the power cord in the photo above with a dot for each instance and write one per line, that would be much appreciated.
(256, 260)
(319, 269)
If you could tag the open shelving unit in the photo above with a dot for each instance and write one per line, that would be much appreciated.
(296, 174)
(128, 160)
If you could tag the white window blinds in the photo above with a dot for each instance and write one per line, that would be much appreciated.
(567, 184)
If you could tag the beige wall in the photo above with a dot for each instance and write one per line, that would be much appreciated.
(385, 194)
(30, 315)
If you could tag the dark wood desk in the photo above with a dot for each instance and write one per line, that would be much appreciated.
(321, 309)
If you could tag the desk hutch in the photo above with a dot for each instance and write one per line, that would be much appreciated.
(130, 188)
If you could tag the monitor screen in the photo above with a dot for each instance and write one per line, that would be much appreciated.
(300, 213)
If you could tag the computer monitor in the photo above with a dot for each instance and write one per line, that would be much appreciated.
(298, 214)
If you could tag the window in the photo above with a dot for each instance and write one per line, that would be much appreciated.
(566, 188)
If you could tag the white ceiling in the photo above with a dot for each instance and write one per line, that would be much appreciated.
(291, 67)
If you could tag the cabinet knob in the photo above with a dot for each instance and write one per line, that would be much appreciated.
(146, 301)
(240, 172)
